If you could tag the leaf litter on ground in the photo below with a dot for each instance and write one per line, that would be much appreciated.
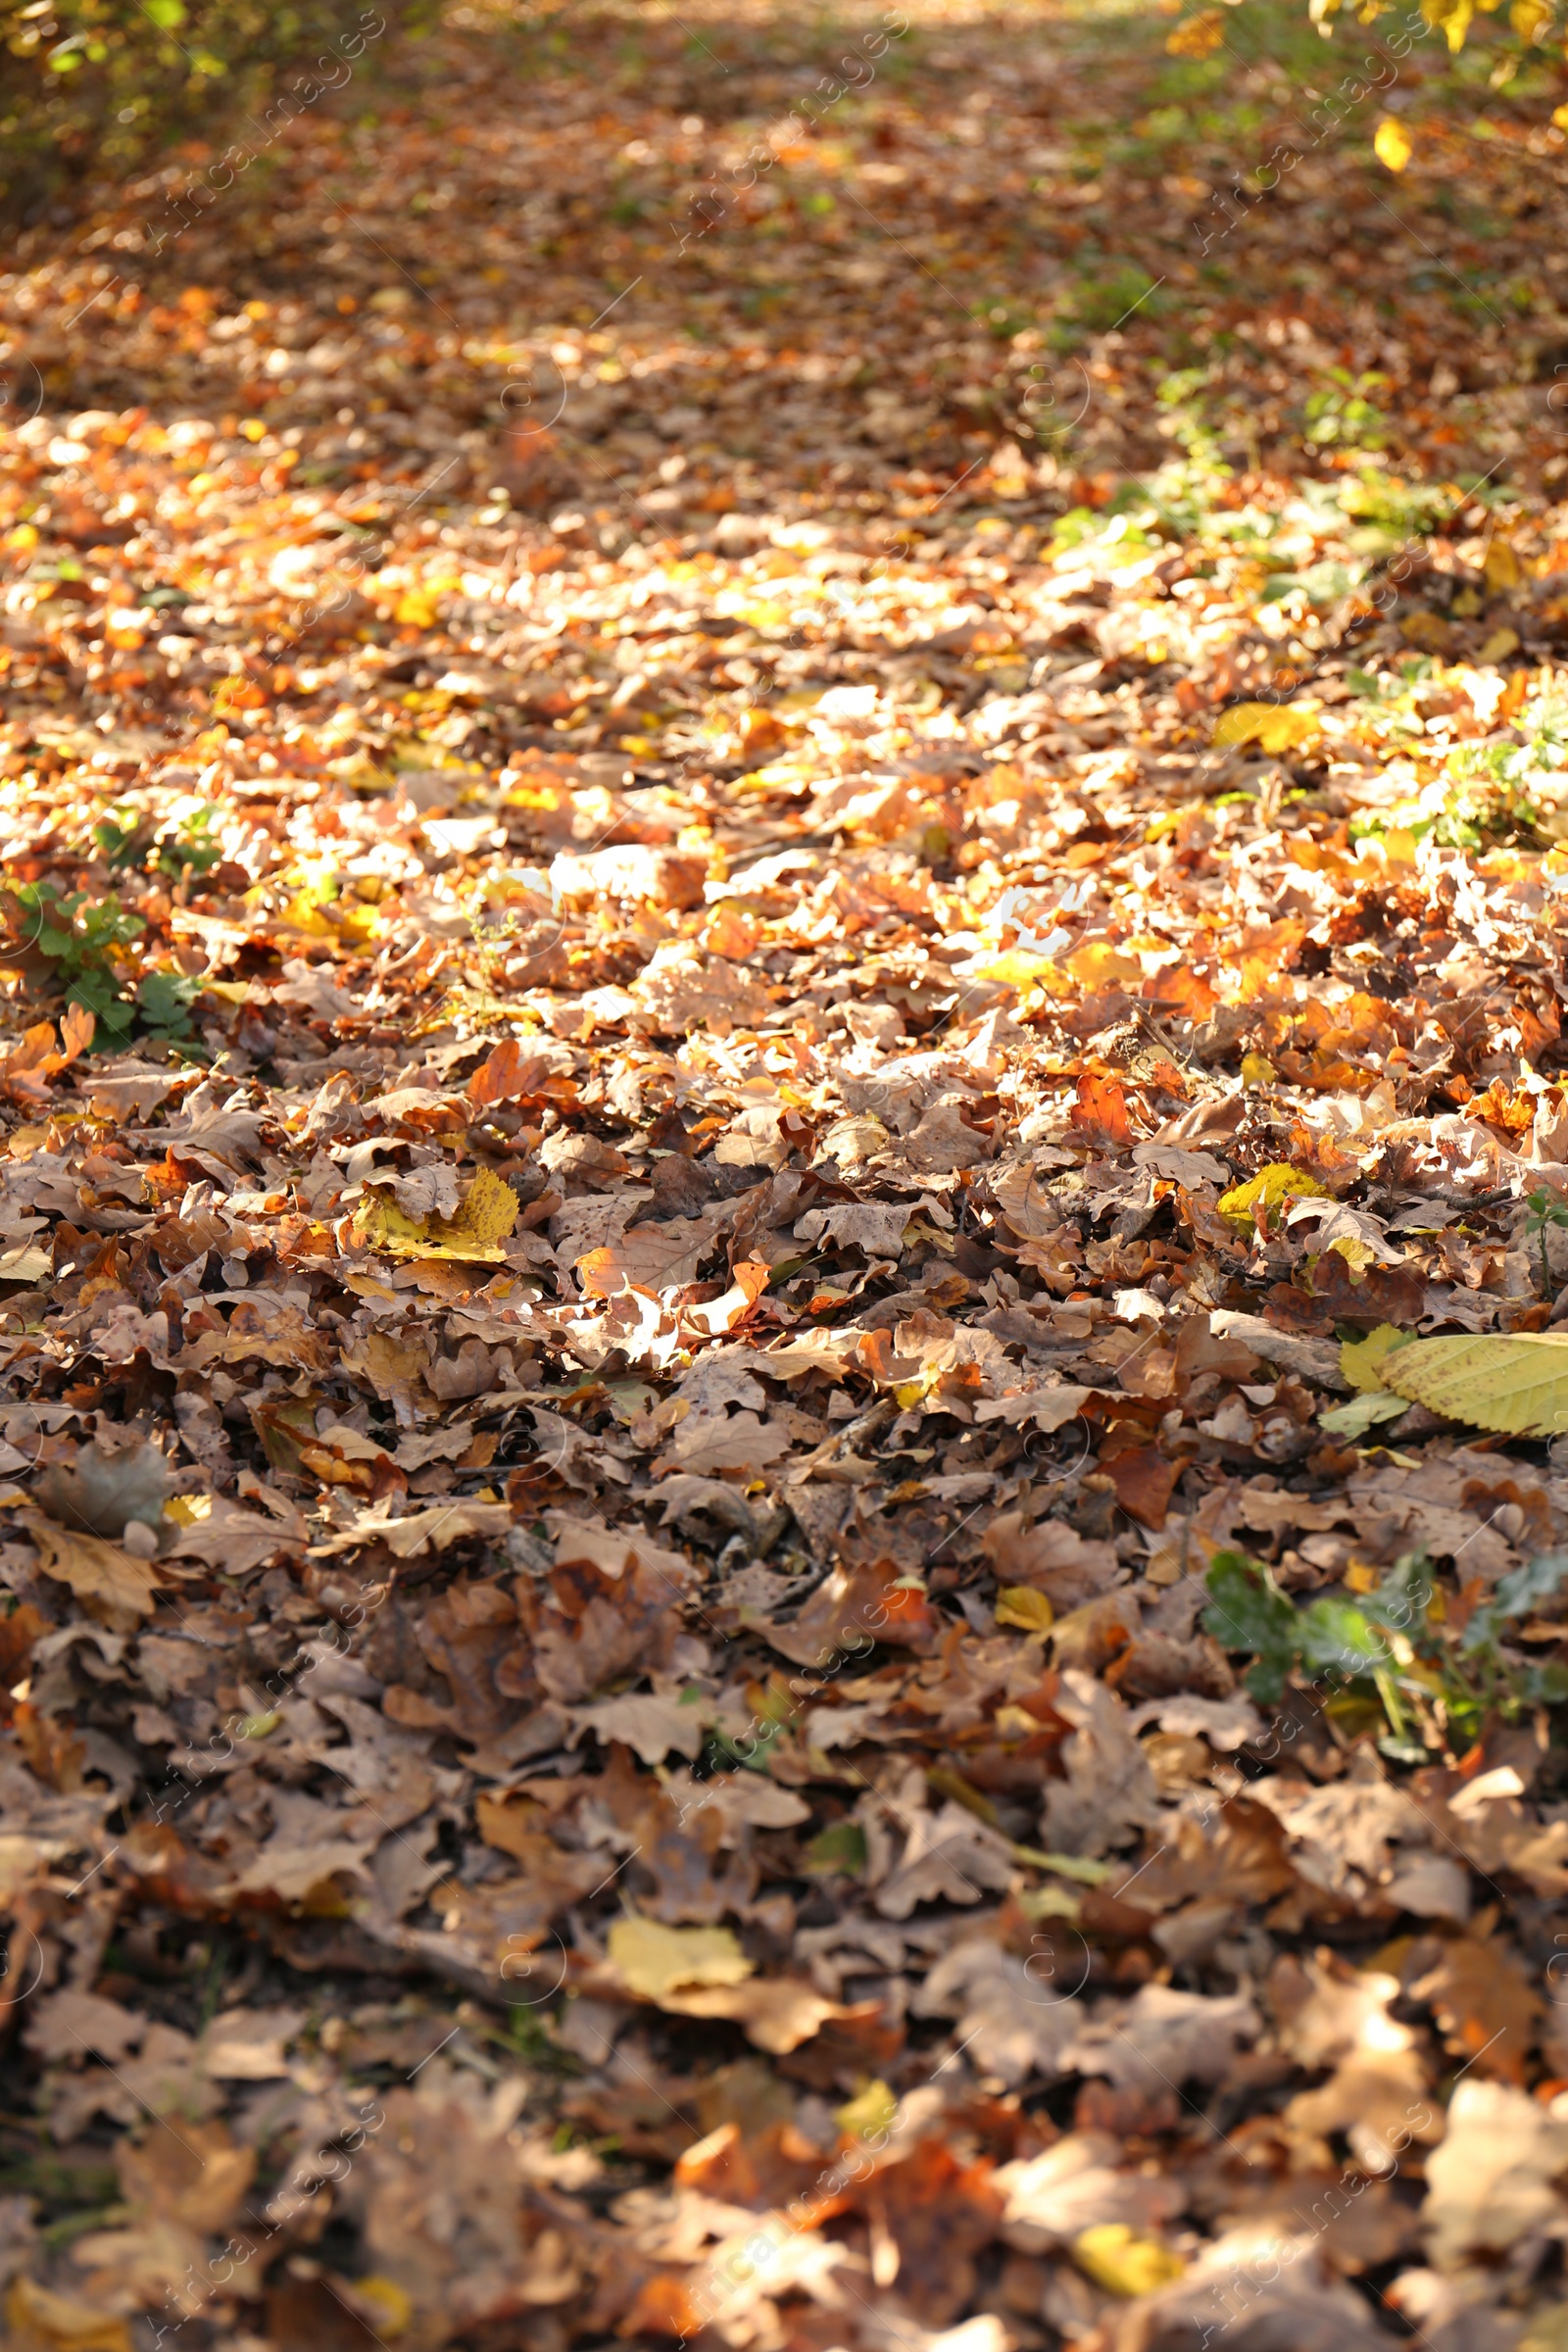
(783, 1525)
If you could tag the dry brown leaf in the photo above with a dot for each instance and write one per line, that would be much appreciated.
(95, 1571)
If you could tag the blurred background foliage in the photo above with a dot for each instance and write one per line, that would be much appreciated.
(96, 87)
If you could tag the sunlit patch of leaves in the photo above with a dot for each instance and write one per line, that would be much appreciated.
(186, 845)
(1490, 791)
(1343, 411)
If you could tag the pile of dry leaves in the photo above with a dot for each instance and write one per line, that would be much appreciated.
(779, 1232)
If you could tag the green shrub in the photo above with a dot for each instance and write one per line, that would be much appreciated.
(91, 86)
(80, 949)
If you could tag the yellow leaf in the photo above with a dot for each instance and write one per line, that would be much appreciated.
(1530, 18)
(304, 913)
(1361, 1360)
(1501, 566)
(1559, 117)
(391, 2309)
(1391, 144)
(1270, 1187)
(1197, 36)
(1099, 964)
(1047, 1903)
(1022, 1605)
(1503, 642)
(1515, 1382)
(37, 2320)
(474, 1235)
(1124, 2263)
(485, 1220)
(870, 2112)
(654, 1960)
(1272, 726)
(1017, 968)
(1451, 16)
(380, 1224)
(417, 610)
(1256, 1069)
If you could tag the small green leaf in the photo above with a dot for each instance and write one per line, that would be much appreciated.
(870, 2111)
(1401, 1601)
(1543, 1686)
(1337, 1637)
(1066, 1866)
(1354, 1419)
(165, 1000)
(1540, 1579)
(1249, 1611)
(840, 1848)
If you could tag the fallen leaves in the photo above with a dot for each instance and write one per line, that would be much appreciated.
(39, 2320)
(756, 1228)
(417, 1532)
(472, 1234)
(1273, 727)
(1489, 2182)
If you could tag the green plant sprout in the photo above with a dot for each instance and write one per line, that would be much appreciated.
(84, 943)
(1389, 1644)
(1543, 1209)
(1343, 413)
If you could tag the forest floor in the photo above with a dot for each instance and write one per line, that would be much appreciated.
(783, 1183)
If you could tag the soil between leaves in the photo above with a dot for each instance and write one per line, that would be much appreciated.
(680, 1147)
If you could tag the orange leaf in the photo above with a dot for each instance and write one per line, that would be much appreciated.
(504, 1074)
(664, 2306)
(77, 1030)
(36, 1047)
(1268, 953)
(1143, 1480)
(1101, 1111)
(751, 1279)
(1179, 989)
